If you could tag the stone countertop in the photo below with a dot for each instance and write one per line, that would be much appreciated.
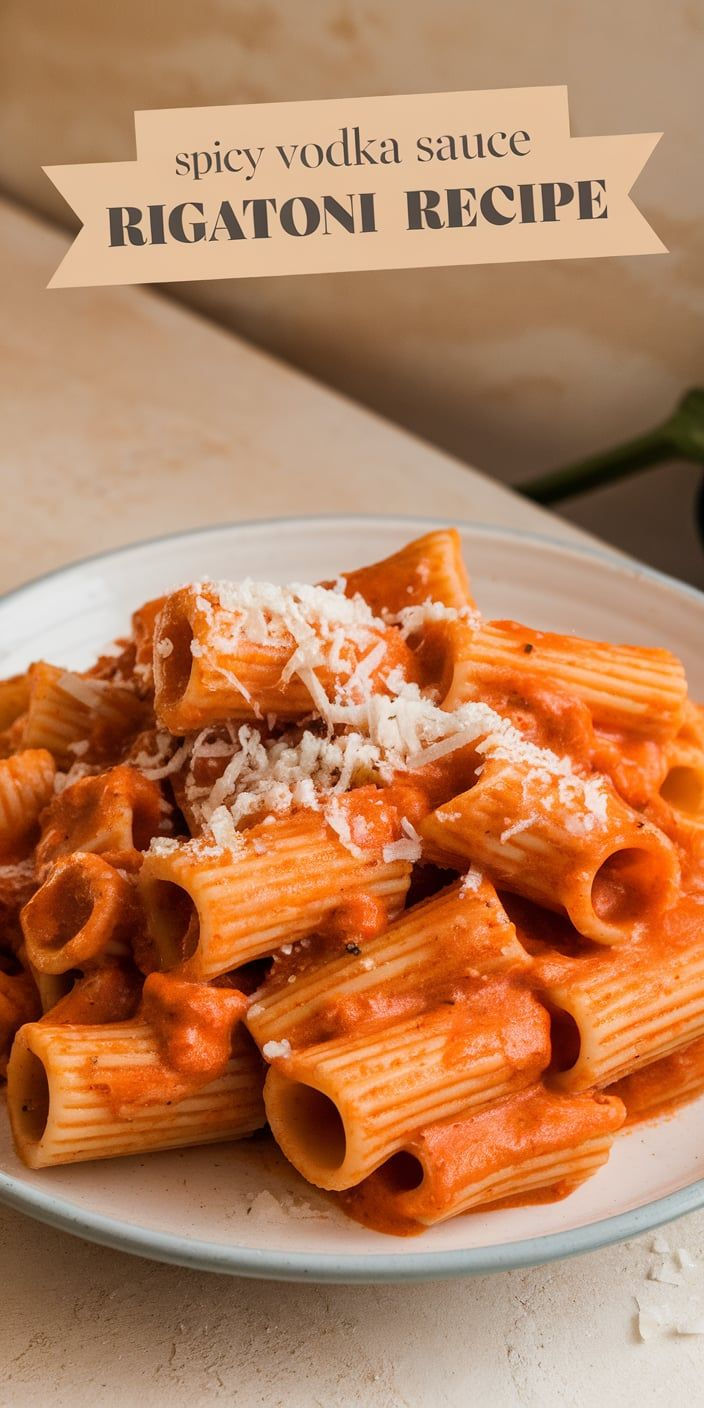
(125, 417)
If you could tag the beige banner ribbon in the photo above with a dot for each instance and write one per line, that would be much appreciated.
(354, 183)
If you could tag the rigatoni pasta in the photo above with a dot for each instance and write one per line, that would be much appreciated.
(528, 1145)
(203, 904)
(341, 1108)
(396, 974)
(69, 1100)
(422, 891)
(26, 785)
(608, 869)
(84, 913)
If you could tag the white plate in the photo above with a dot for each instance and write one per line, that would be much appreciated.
(240, 1208)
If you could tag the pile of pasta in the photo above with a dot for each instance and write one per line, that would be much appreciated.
(421, 892)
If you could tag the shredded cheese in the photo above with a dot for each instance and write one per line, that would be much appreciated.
(273, 1049)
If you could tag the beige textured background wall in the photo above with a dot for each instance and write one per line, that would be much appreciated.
(516, 367)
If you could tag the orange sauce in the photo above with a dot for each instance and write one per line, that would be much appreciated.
(659, 1089)
(195, 1027)
(19, 1003)
(549, 718)
(120, 806)
(109, 994)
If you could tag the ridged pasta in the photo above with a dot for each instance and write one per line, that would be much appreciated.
(621, 1008)
(607, 869)
(633, 688)
(664, 1084)
(114, 814)
(67, 1101)
(26, 785)
(683, 786)
(210, 666)
(428, 569)
(213, 912)
(66, 708)
(527, 1145)
(84, 913)
(691, 729)
(14, 698)
(397, 969)
(341, 1108)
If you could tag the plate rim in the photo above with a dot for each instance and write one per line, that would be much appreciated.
(276, 1263)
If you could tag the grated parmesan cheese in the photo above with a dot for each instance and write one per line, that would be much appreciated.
(402, 850)
(163, 845)
(273, 1049)
(369, 736)
(79, 748)
(472, 881)
(412, 619)
(516, 827)
(225, 834)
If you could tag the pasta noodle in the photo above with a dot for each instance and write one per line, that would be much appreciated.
(528, 1145)
(14, 698)
(664, 1084)
(620, 1009)
(66, 709)
(222, 654)
(26, 784)
(114, 814)
(66, 1101)
(399, 968)
(683, 784)
(19, 1003)
(421, 891)
(204, 907)
(428, 569)
(607, 870)
(84, 913)
(624, 687)
(341, 1108)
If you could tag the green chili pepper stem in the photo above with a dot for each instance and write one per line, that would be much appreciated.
(681, 436)
(600, 469)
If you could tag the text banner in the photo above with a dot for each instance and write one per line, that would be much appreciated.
(354, 183)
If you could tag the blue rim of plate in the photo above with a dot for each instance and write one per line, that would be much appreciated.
(303, 1266)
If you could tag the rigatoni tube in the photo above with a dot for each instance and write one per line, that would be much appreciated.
(65, 708)
(628, 688)
(26, 785)
(114, 814)
(274, 654)
(658, 1088)
(83, 913)
(213, 909)
(428, 569)
(683, 785)
(568, 843)
(398, 971)
(531, 1143)
(621, 1008)
(70, 1096)
(341, 1108)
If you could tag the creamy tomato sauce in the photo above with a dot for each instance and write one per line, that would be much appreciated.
(194, 1027)
(109, 994)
